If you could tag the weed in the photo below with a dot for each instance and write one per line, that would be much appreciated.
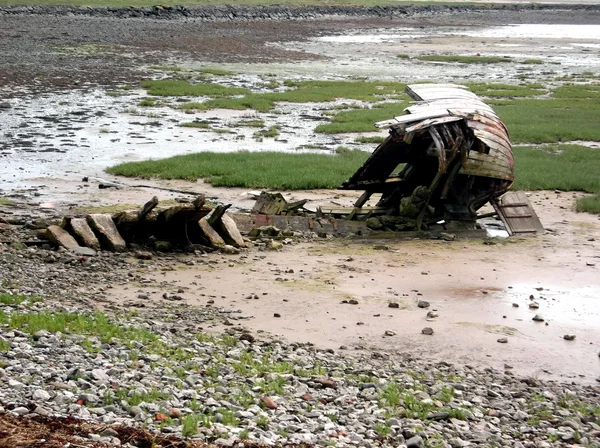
(195, 124)
(244, 435)
(360, 120)
(446, 394)
(382, 430)
(464, 59)
(147, 102)
(532, 61)
(5, 201)
(363, 139)
(391, 395)
(17, 299)
(216, 71)
(229, 418)
(4, 346)
(173, 87)
(189, 425)
(262, 422)
(250, 123)
(403, 56)
(458, 413)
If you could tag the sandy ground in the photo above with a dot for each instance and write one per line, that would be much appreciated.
(472, 284)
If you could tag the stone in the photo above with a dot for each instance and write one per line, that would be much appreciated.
(569, 337)
(21, 410)
(415, 442)
(109, 432)
(423, 304)
(393, 305)
(273, 245)
(210, 233)
(515, 305)
(230, 250)
(353, 302)
(100, 376)
(60, 236)
(106, 231)
(269, 403)
(83, 233)
(534, 305)
(326, 383)
(175, 413)
(143, 255)
(41, 395)
(538, 318)
(390, 333)
(432, 315)
(427, 331)
(503, 340)
(41, 334)
(5, 105)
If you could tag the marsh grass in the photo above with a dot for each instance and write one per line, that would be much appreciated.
(252, 170)
(174, 87)
(5, 201)
(361, 120)
(17, 299)
(497, 90)
(195, 124)
(375, 139)
(557, 167)
(306, 92)
(464, 59)
(215, 71)
(589, 204)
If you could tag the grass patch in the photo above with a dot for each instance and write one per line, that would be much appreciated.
(194, 124)
(166, 68)
(403, 56)
(173, 87)
(361, 120)
(147, 102)
(495, 90)
(96, 324)
(307, 92)
(17, 299)
(464, 59)
(562, 167)
(589, 204)
(376, 139)
(272, 132)
(216, 71)
(6, 201)
(252, 170)
(250, 123)
(532, 61)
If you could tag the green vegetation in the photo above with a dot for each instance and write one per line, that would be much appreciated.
(190, 425)
(250, 123)
(532, 61)
(5, 201)
(403, 56)
(147, 102)
(589, 204)
(96, 324)
(495, 90)
(173, 87)
(17, 299)
(562, 167)
(376, 139)
(463, 59)
(302, 92)
(195, 124)
(216, 71)
(252, 170)
(273, 131)
(361, 120)
(4, 346)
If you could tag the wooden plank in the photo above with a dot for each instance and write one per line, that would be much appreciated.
(517, 213)
(430, 122)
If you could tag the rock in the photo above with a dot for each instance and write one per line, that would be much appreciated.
(273, 245)
(389, 333)
(84, 233)
(503, 340)
(423, 304)
(100, 376)
(534, 305)
(432, 315)
(515, 305)
(20, 410)
(106, 231)
(210, 233)
(109, 432)
(276, 315)
(5, 105)
(447, 236)
(327, 383)
(428, 331)
(143, 255)
(175, 413)
(60, 236)
(393, 305)
(569, 337)
(230, 250)
(269, 403)
(41, 395)
(161, 417)
(538, 318)
(415, 442)
(41, 334)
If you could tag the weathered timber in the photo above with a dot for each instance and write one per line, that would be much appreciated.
(210, 234)
(216, 214)
(106, 231)
(269, 203)
(147, 208)
(517, 214)
(83, 233)
(61, 237)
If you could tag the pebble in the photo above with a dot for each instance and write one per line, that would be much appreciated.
(423, 304)
(427, 331)
(503, 340)
(538, 318)
(569, 337)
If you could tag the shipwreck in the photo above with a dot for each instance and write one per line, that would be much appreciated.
(443, 160)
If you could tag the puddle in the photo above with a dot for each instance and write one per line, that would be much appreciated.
(536, 31)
